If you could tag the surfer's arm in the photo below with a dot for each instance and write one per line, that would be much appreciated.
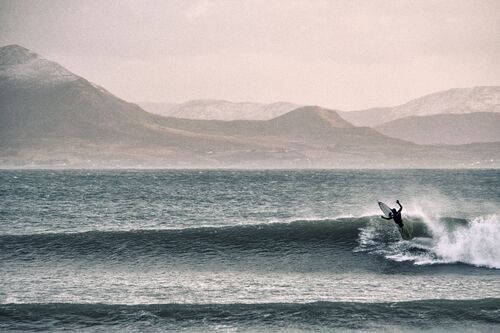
(400, 207)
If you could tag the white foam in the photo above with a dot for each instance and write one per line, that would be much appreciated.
(477, 243)
(474, 243)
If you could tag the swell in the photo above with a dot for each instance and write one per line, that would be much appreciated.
(259, 238)
(353, 315)
(343, 241)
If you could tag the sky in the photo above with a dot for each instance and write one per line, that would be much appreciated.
(345, 55)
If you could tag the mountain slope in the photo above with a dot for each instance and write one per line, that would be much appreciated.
(451, 129)
(46, 113)
(40, 101)
(52, 117)
(453, 101)
(309, 125)
(301, 120)
(220, 110)
(41, 98)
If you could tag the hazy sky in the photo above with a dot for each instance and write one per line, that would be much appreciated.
(340, 54)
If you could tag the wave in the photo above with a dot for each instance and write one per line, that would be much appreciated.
(435, 241)
(474, 243)
(439, 241)
(272, 237)
(412, 315)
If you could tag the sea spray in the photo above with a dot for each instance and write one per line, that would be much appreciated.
(474, 242)
(440, 240)
(477, 243)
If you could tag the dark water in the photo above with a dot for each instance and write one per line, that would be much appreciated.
(248, 251)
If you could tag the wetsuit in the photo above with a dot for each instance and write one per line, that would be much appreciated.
(396, 216)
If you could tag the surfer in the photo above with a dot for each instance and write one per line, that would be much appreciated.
(395, 215)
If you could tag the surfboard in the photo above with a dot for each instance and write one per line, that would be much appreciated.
(384, 208)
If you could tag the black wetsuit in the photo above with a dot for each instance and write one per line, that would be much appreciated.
(396, 216)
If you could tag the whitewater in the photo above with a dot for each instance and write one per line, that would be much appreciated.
(269, 250)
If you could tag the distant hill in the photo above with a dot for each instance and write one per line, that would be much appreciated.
(369, 117)
(50, 117)
(310, 120)
(451, 129)
(41, 99)
(220, 110)
(453, 101)
(161, 109)
(47, 110)
(305, 126)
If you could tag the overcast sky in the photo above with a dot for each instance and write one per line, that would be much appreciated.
(339, 54)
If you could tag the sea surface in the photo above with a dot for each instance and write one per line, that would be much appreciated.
(249, 251)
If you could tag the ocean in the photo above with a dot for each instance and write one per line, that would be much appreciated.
(248, 251)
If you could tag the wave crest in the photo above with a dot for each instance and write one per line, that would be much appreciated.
(439, 241)
(297, 236)
(476, 243)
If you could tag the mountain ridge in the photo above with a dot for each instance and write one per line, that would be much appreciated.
(213, 109)
(56, 121)
(453, 129)
(451, 101)
(454, 100)
(19, 65)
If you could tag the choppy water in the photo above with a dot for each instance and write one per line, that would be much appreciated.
(248, 250)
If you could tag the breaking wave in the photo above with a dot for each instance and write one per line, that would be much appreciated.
(435, 241)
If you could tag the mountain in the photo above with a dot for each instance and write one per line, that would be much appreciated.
(161, 109)
(453, 101)
(307, 125)
(39, 98)
(306, 136)
(451, 129)
(46, 112)
(369, 117)
(220, 110)
(50, 117)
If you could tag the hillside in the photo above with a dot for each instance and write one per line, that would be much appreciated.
(50, 117)
(311, 121)
(220, 110)
(451, 129)
(453, 101)
(40, 98)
